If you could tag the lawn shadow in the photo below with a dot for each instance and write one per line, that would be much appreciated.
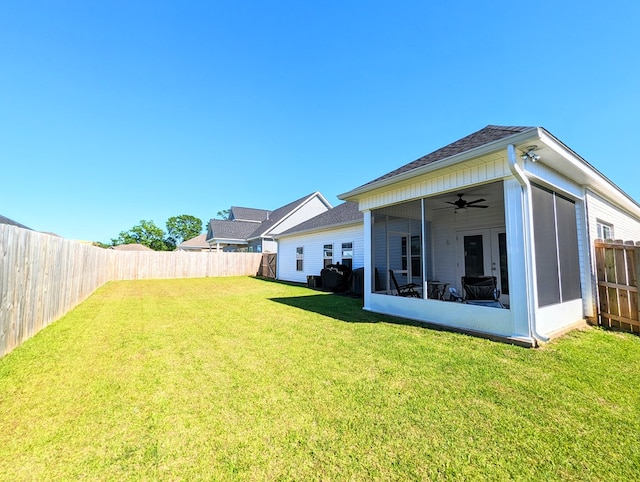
(349, 309)
(341, 307)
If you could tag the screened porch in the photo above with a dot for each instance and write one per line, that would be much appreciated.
(431, 244)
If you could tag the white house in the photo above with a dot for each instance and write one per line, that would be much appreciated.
(254, 230)
(513, 203)
(333, 237)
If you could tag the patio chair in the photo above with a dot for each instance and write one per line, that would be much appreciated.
(481, 290)
(454, 295)
(407, 290)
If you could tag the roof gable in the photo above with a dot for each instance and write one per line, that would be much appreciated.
(248, 214)
(198, 241)
(281, 213)
(479, 138)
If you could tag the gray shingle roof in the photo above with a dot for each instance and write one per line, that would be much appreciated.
(479, 138)
(345, 213)
(5, 220)
(222, 229)
(248, 214)
(199, 241)
(131, 247)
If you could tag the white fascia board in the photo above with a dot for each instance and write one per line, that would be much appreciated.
(291, 213)
(226, 241)
(320, 229)
(521, 137)
(596, 181)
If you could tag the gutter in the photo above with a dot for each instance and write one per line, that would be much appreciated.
(529, 255)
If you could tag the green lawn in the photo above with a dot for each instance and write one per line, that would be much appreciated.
(244, 379)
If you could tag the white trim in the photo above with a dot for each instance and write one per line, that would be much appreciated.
(479, 151)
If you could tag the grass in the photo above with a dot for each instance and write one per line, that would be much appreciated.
(243, 379)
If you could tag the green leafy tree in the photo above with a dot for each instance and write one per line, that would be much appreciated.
(224, 214)
(147, 234)
(183, 227)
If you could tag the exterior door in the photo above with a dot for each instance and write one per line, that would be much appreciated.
(397, 260)
(405, 257)
(484, 253)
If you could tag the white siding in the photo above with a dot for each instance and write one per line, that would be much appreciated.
(446, 226)
(468, 174)
(625, 226)
(309, 210)
(313, 244)
(269, 246)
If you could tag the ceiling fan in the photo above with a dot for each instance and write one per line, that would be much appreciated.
(462, 204)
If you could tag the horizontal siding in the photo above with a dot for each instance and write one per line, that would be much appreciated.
(446, 247)
(466, 174)
(625, 227)
(309, 210)
(313, 244)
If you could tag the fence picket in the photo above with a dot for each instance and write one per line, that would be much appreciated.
(618, 272)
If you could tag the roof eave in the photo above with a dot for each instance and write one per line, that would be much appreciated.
(269, 231)
(532, 133)
(596, 181)
(226, 241)
(319, 229)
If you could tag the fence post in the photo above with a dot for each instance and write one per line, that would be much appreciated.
(637, 280)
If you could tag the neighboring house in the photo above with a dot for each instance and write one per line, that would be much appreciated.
(253, 230)
(5, 220)
(196, 244)
(512, 202)
(131, 247)
(335, 236)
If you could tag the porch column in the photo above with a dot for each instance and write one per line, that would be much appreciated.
(516, 245)
(368, 263)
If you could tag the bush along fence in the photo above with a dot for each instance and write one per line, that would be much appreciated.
(618, 272)
(42, 277)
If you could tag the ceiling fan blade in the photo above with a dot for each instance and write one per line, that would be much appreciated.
(474, 206)
(476, 201)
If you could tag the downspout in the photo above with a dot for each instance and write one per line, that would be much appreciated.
(529, 255)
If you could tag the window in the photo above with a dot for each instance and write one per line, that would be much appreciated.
(605, 230)
(556, 246)
(299, 258)
(347, 255)
(328, 254)
(413, 254)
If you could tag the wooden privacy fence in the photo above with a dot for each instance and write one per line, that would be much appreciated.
(42, 277)
(618, 272)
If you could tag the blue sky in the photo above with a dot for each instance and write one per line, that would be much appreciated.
(118, 111)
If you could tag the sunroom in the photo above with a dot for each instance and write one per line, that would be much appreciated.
(483, 213)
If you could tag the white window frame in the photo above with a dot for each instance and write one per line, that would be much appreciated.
(300, 258)
(347, 252)
(603, 227)
(327, 254)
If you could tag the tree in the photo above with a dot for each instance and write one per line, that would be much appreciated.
(224, 214)
(183, 227)
(147, 234)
